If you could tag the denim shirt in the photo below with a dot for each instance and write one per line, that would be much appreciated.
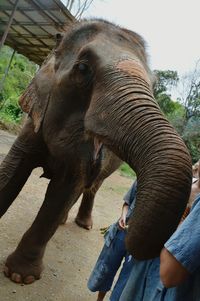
(129, 199)
(184, 245)
(144, 283)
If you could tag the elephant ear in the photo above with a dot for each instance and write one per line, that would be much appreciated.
(34, 100)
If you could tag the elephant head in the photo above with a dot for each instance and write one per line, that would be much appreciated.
(98, 83)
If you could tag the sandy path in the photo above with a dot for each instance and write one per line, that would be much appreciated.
(72, 251)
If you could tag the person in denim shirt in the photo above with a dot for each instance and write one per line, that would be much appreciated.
(175, 276)
(113, 253)
(152, 280)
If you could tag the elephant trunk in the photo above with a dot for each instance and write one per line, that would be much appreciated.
(129, 122)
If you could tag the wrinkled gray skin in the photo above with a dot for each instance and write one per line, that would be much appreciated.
(109, 162)
(95, 90)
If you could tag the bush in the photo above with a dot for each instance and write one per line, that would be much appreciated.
(20, 74)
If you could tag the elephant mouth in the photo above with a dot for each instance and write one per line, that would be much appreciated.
(98, 146)
(94, 166)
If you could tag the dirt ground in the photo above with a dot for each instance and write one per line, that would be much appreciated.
(71, 253)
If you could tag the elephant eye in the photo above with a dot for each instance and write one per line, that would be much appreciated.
(83, 73)
(83, 68)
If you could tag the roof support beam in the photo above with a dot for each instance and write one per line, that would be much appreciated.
(9, 24)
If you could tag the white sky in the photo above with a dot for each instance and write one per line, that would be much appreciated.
(171, 28)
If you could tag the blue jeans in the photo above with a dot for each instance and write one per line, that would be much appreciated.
(107, 265)
(123, 278)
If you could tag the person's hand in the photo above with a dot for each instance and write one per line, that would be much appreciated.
(122, 222)
(122, 219)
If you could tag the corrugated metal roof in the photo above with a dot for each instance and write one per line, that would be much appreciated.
(34, 26)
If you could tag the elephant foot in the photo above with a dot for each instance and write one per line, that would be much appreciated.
(21, 270)
(85, 222)
(64, 219)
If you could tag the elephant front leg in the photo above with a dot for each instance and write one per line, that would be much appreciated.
(25, 154)
(84, 216)
(10, 185)
(25, 265)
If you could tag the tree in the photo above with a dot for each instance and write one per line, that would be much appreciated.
(191, 136)
(165, 80)
(183, 114)
(20, 73)
(189, 96)
(189, 90)
(78, 7)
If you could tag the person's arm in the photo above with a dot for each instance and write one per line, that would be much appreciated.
(122, 219)
(128, 201)
(181, 254)
(172, 272)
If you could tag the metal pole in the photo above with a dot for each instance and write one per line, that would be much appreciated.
(6, 72)
(9, 24)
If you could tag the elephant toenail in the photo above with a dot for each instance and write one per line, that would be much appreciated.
(16, 278)
(88, 227)
(6, 271)
(29, 279)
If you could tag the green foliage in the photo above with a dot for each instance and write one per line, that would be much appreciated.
(19, 76)
(191, 136)
(126, 170)
(185, 116)
(164, 81)
(166, 104)
(193, 101)
(176, 118)
(11, 112)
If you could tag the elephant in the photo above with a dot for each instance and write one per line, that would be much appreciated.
(95, 91)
